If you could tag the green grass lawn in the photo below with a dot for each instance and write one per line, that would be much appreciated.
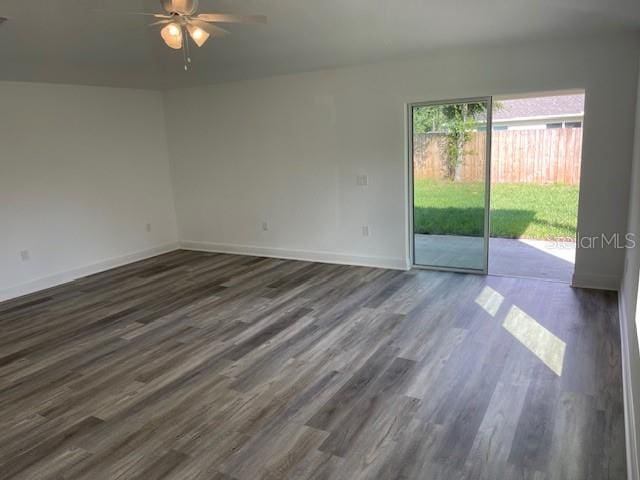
(517, 210)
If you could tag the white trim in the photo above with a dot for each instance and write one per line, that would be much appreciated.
(627, 386)
(487, 197)
(408, 187)
(595, 281)
(69, 275)
(292, 254)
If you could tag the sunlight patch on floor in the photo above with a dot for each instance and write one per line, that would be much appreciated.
(490, 300)
(540, 341)
(564, 250)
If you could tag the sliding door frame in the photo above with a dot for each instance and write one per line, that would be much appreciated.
(487, 197)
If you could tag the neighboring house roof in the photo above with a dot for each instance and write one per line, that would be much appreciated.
(539, 107)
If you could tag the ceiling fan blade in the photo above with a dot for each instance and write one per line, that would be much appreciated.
(207, 27)
(157, 15)
(159, 22)
(228, 18)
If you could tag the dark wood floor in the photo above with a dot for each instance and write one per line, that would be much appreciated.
(205, 366)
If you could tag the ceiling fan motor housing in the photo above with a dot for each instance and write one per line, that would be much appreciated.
(182, 7)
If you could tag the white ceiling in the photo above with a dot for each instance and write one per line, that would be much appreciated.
(69, 41)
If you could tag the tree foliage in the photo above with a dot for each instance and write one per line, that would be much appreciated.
(428, 119)
(456, 121)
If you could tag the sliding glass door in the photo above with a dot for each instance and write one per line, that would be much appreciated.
(450, 150)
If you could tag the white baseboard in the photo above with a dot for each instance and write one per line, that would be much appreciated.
(69, 275)
(599, 282)
(306, 255)
(627, 381)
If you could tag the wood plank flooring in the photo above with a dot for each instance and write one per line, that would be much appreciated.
(207, 366)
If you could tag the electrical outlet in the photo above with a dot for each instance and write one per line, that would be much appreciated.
(148, 227)
(365, 231)
(24, 255)
(265, 226)
(362, 180)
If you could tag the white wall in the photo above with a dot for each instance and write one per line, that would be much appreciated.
(82, 171)
(287, 149)
(629, 307)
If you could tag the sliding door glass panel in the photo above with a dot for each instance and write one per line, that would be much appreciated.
(450, 148)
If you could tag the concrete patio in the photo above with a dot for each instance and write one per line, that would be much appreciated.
(521, 258)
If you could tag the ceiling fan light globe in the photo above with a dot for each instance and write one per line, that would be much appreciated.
(198, 35)
(172, 35)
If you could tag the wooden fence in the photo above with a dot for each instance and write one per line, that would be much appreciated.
(518, 156)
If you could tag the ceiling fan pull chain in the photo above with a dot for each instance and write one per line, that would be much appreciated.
(184, 49)
(188, 49)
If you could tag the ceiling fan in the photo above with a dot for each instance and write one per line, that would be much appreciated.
(181, 22)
